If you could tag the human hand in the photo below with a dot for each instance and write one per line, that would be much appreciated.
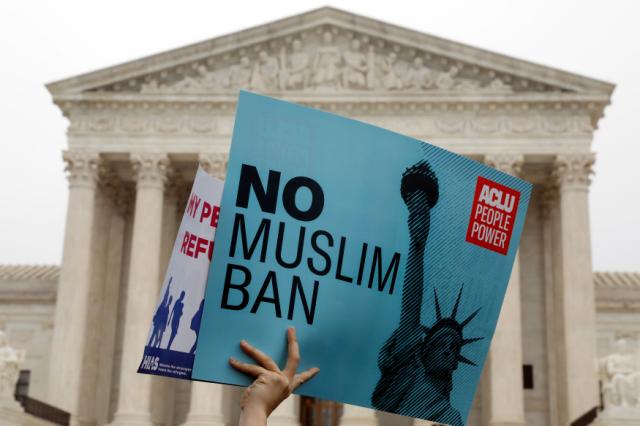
(271, 385)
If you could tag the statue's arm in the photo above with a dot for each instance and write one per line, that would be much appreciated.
(412, 289)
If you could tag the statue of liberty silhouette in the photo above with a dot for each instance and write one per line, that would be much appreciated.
(160, 318)
(417, 362)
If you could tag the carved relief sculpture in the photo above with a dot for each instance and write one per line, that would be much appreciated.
(265, 73)
(240, 74)
(418, 77)
(356, 67)
(295, 70)
(10, 361)
(390, 78)
(326, 64)
(621, 378)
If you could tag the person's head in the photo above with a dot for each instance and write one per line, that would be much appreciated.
(182, 293)
(418, 61)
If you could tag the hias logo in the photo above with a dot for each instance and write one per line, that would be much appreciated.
(150, 362)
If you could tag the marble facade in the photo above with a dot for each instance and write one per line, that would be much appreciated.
(137, 131)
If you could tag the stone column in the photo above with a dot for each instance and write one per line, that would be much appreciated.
(163, 389)
(548, 212)
(503, 397)
(214, 163)
(353, 415)
(206, 407)
(287, 413)
(134, 399)
(117, 209)
(577, 378)
(68, 349)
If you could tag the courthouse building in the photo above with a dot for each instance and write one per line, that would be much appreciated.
(137, 132)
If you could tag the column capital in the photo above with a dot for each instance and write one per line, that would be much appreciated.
(82, 168)
(573, 170)
(177, 192)
(548, 198)
(173, 186)
(214, 163)
(151, 169)
(118, 191)
(507, 163)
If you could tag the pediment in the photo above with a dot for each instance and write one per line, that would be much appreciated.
(328, 52)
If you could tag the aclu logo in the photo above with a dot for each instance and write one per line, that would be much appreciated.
(493, 215)
(150, 362)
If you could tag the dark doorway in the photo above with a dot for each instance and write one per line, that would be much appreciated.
(319, 412)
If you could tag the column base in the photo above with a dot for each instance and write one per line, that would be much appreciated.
(204, 420)
(282, 421)
(133, 419)
(75, 421)
(616, 422)
(359, 422)
(353, 415)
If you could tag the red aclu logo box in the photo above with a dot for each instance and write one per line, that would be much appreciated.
(493, 215)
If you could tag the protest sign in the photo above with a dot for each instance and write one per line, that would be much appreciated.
(390, 256)
(171, 344)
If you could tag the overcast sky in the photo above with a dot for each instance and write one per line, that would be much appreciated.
(46, 41)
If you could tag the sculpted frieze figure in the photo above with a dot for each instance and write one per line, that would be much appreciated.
(390, 78)
(326, 64)
(446, 80)
(265, 73)
(10, 361)
(356, 67)
(196, 82)
(295, 70)
(499, 86)
(418, 77)
(240, 74)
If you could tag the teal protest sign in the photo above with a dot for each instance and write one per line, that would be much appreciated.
(389, 255)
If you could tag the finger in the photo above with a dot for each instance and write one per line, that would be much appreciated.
(259, 356)
(293, 360)
(304, 377)
(248, 369)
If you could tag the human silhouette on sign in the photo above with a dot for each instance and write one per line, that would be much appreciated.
(160, 318)
(174, 318)
(195, 325)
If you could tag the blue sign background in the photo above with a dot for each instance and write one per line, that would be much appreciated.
(359, 168)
